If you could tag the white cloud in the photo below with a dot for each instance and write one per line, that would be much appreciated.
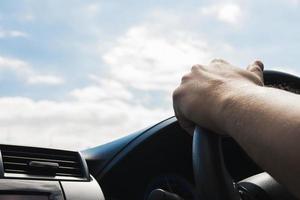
(71, 124)
(106, 89)
(228, 13)
(26, 72)
(152, 58)
(11, 63)
(93, 115)
(12, 33)
(45, 79)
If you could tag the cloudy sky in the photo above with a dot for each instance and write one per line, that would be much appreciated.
(75, 74)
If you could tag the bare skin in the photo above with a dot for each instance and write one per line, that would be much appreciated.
(264, 121)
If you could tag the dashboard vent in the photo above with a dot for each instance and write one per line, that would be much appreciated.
(41, 163)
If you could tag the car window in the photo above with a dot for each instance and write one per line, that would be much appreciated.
(76, 74)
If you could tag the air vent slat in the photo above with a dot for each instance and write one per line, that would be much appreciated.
(41, 155)
(15, 163)
(38, 159)
(16, 166)
(18, 160)
(15, 171)
(69, 168)
(65, 174)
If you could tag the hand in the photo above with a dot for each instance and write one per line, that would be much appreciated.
(203, 92)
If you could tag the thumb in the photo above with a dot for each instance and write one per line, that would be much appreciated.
(257, 68)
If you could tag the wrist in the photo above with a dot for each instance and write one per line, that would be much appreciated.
(234, 104)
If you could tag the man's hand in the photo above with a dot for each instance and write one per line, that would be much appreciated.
(202, 93)
(263, 120)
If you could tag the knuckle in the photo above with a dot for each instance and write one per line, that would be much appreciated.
(255, 68)
(194, 67)
(256, 76)
(186, 78)
(259, 81)
(177, 93)
(258, 68)
(259, 64)
(218, 60)
(197, 67)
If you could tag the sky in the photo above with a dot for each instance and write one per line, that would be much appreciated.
(77, 74)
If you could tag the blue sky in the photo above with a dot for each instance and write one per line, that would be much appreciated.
(74, 74)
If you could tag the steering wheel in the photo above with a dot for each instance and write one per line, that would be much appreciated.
(212, 179)
(213, 182)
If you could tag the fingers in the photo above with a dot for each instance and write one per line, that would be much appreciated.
(217, 61)
(260, 64)
(187, 125)
(257, 65)
(257, 68)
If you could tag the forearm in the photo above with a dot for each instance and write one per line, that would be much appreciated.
(266, 123)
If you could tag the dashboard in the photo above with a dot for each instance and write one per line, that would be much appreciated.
(161, 157)
(158, 157)
(145, 167)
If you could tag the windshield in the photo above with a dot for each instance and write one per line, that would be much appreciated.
(76, 74)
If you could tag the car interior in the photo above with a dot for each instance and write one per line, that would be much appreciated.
(156, 163)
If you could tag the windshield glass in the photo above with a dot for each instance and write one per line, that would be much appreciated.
(75, 74)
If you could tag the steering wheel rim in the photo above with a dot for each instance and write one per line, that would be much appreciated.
(212, 180)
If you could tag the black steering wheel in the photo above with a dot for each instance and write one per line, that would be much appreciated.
(212, 179)
(213, 182)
